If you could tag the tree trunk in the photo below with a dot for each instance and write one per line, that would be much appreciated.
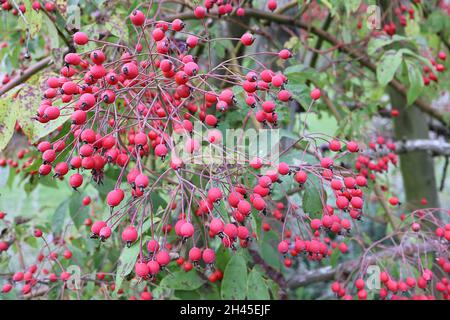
(417, 167)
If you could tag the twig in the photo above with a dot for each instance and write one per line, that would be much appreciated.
(25, 75)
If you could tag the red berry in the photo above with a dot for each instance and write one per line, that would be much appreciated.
(247, 39)
(195, 254)
(284, 54)
(216, 226)
(283, 247)
(315, 94)
(115, 197)
(37, 233)
(301, 177)
(137, 18)
(208, 256)
(80, 38)
(187, 230)
(359, 284)
(163, 258)
(334, 145)
(177, 25)
(105, 233)
(76, 180)
(200, 12)
(272, 5)
(6, 288)
(129, 235)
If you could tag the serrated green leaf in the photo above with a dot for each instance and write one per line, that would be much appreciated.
(52, 33)
(387, 66)
(256, 286)
(234, 282)
(268, 250)
(412, 29)
(312, 197)
(25, 105)
(182, 280)
(7, 122)
(415, 82)
(78, 213)
(382, 41)
(126, 263)
(334, 257)
(351, 6)
(60, 216)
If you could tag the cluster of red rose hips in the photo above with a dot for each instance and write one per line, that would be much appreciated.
(14, 163)
(430, 74)
(402, 12)
(124, 110)
(377, 160)
(49, 268)
(29, 278)
(402, 289)
(223, 8)
(8, 5)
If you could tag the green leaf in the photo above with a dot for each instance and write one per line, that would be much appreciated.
(312, 199)
(412, 29)
(223, 256)
(437, 21)
(182, 280)
(415, 81)
(31, 184)
(78, 212)
(274, 289)
(34, 166)
(351, 6)
(300, 92)
(379, 42)
(388, 65)
(409, 52)
(148, 223)
(323, 123)
(268, 249)
(157, 201)
(60, 216)
(299, 73)
(7, 122)
(126, 263)
(334, 257)
(52, 33)
(25, 105)
(187, 295)
(117, 27)
(234, 282)
(220, 48)
(270, 255)
(257, 287)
